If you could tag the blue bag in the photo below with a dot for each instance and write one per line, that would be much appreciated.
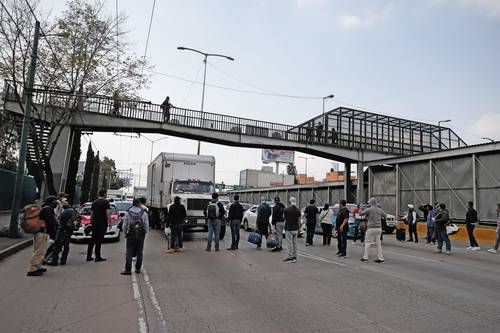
(254, 238)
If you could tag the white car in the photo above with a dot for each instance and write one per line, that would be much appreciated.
(250, 219)
(112, 233)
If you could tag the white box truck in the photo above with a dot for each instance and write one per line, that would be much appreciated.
(191, 177)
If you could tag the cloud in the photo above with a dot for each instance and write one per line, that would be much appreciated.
(304, 4)
(369, 18)
(490, 8)
(487, 125)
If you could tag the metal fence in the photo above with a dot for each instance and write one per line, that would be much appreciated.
(453, 180)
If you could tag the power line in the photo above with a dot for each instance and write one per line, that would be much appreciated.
(149, 32)
(192, 85)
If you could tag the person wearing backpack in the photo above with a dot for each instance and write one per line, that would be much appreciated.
(278, 222)
(136, 226)
(41, 236)
(63, 236)
(263, 214)
(214, 214)
(175, 220)
(235, 215)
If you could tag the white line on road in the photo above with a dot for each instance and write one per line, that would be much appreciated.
(141, 320)
(416, 257)
(156, 304)
(314, 257)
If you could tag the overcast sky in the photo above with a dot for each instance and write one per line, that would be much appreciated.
(425, 60)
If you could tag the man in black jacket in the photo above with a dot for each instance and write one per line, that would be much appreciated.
(235, 216)
(441, 221)
(215, 215)
(41, 238)
(100, 219)
(278, 222)
(264, 212)
(470, 223)
(175, 219)
(311, 213)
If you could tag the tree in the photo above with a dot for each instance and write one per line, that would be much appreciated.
(73, 166)
(8, 142)
(87, 175)
(95, 178)
(92, 58)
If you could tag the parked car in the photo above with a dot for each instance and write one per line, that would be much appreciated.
(390, 221)
(123, 206)
(250, 219)
(111, 233)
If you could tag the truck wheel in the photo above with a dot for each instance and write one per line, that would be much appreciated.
(245, 225)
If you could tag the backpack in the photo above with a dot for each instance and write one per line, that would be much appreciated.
(212, 210)
(136, 229)
(31, 222)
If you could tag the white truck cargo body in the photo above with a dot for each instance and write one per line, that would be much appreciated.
(191, 177)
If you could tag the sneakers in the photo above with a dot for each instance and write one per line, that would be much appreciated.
(492, 251)
(293, 259)
(477, 248)
(378, 261)
(469, 247)
(448, 253)
(100, 259)
(276, 249)
(364, 260)
(89, 259)
(438, 251)
(126, 273)
(170, 251)
(51, 263)
(137, 271)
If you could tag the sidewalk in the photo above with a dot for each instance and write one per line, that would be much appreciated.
(9, 246)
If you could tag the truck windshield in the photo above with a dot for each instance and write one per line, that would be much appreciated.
(188, 186)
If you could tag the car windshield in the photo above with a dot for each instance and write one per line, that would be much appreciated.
(85, 210)
(188, 186)
(122, 206)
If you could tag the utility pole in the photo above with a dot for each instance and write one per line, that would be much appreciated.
(18, 187)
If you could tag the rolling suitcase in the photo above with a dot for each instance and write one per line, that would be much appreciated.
(400, 234)
(254, 238)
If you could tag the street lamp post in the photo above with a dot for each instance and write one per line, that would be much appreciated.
(306, 158)
(325, 128)
(439, 125)
(206, 55)
(488, 139)
(152, 144)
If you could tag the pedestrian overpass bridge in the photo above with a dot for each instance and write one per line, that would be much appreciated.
(343, 134)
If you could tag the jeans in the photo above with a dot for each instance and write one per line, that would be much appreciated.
(357, 233)
(430, 233)
(62, 243)
(342, 241)
(497, 240)
(40, 240)
(327, 233)
(213, 233)
(134, 247)
(235, 233)
(279, 233)
(470, 232)
(443, 236)
(222, 232)
(310, 227)
(291, 237)
(373, 236)
(176, 236)
(412, 229)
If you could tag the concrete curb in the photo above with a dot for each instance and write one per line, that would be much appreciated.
(15, 248)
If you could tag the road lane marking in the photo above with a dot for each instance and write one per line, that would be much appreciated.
(416, 257)
(141, 320)
(314, 257)
(156, 304)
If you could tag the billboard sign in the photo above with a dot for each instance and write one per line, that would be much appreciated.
(276, 155)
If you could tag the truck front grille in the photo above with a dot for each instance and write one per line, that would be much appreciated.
(197, 204)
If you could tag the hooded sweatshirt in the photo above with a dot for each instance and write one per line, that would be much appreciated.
(128, 219)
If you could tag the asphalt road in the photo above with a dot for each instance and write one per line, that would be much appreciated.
(253, 290)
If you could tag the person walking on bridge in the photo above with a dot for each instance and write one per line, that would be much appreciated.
(497, 240)
(374, 216)
(470, 224)
(165, 108)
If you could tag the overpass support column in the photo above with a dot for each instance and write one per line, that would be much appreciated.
(347, 182)
(360, 188)
(60, 159)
